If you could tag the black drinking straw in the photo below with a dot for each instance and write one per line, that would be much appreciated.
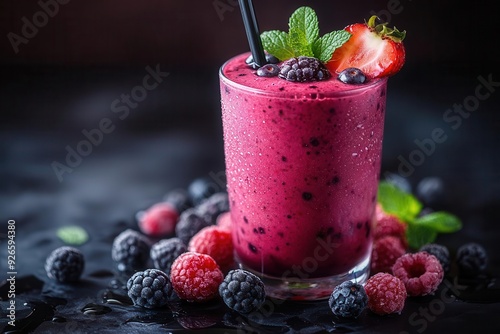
(252, 30)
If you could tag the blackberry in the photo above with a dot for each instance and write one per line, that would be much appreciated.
(179, 198)
(164, 252)
(440, 252)
(150, 288)
(303, 69)
(65, 264)
(190, 222)
(348, 300)
(130, 250)
(471, 259)
(352, 76)
(242, 291)
(213, 206)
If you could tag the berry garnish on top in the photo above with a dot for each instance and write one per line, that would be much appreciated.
(303, 69)
(375, 49)
(352, 75)
(303, 41)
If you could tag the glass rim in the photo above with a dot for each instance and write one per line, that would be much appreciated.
(258, 91)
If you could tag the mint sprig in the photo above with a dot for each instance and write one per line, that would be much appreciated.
(421, 229)
(303, 38)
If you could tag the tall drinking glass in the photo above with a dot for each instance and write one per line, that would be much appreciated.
(302, 167)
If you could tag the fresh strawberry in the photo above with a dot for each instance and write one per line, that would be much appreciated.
(375, 49)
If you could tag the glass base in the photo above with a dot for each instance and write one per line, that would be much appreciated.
(318, 288)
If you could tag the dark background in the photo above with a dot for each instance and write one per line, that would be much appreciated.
(64, 80)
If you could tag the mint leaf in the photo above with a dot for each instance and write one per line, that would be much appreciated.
(303, 31)
(276, 43)
(303, 38)
(72, 235)
(441, 222)
(418, 235)
(395, 201)
(324, 47)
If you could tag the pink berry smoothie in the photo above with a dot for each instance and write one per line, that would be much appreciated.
(302, 167)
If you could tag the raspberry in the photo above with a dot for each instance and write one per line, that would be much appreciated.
(385, 252)
(348, 300)
(387, 224)
(65, 264)
(216, 242)
(130, 250)
(224, 221)
(420, 272)
(150, 288)
(159, 220)
(386, 294)
(440, 252)
(303, 69)
(189, 224)
(195, 277)
(472, 259)
(242, 291)
(164, 252)
(213, 206)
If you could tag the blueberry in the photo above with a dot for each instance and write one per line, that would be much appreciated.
(352, 76)
(269, 58)
(200, 189)
(269, 70)
(399, 181)
(430, 191)
(179, 198)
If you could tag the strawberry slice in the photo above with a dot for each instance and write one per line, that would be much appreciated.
(375, 49)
